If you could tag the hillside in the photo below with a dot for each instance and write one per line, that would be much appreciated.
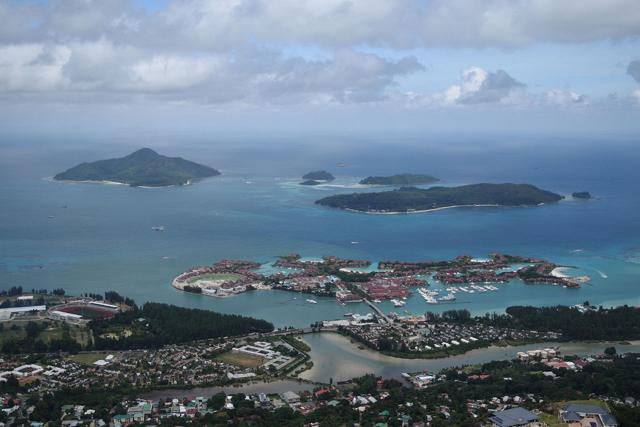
(400, 179)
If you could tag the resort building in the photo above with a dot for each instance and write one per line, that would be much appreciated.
(582, 415)
(514, 417)
(254, 350)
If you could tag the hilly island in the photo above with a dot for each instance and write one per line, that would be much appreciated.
(412, 199)
(142, 168)
(400, 179)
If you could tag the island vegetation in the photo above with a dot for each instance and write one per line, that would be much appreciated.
(311, 182)
(400, 179)
(411, 199)
(581, 195)
(319, 176)
(143, 168)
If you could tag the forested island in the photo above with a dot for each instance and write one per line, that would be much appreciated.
(400, 179)
(412, 199)
(319, 176)
(142, 168)
(581, 195)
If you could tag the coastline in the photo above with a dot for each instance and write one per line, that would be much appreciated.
(106, 182)
(372, 212)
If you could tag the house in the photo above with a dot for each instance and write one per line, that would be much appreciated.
(514, 417)
(290, 397)
(578, 415)
(121, 420)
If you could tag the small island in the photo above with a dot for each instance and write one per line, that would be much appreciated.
(581, 195)
(317, 178)
(400, 179)
(143, 168)
(412, 199)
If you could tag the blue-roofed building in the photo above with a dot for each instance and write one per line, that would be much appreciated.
(514, 417)
(583, 415)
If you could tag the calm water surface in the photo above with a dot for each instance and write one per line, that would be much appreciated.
(335, 356)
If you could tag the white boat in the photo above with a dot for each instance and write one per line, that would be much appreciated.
(312, 301)
(158, 228)
(397, 303)
(377, 301)
(348, 314)
(448, 297)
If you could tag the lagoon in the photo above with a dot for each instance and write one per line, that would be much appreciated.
(336, 357)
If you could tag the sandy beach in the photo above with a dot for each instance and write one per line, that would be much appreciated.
(424, 210)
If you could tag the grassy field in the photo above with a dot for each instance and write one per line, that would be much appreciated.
(240, 359)
(53, 331)
(550, 420)
(8, 334)
(215, 276)
(88, 358)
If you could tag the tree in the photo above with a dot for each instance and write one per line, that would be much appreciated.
(610, 351)
(32, 329)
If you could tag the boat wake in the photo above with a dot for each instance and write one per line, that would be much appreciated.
(602, 274)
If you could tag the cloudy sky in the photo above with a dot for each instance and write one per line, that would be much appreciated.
(535, 65)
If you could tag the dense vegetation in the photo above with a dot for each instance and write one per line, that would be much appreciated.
(620, 323)
(155, 325)
(144, 167)
(601, 324)
(401, 179)
(32, 340)
(411, 198)
(319, 176)
(311, 182)
(581, 195)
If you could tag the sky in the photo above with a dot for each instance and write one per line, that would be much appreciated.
(256, 66)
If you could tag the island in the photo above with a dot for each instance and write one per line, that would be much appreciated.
(319, 176)
(581, 195)
(143, 168)
(401, 179)
(358, 280)
(412, 199)
(311, 182)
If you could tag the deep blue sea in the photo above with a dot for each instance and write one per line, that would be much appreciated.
(92, 238)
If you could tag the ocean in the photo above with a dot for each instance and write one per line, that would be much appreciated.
(93, 238)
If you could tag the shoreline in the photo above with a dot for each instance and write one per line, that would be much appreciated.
(422, 210)
(115, 183)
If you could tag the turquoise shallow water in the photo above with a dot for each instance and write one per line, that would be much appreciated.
(103, 240)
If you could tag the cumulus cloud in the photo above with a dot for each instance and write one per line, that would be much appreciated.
(225, 24)
(101, 67)
(565, 98)
(233, 50)
(480, 86)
